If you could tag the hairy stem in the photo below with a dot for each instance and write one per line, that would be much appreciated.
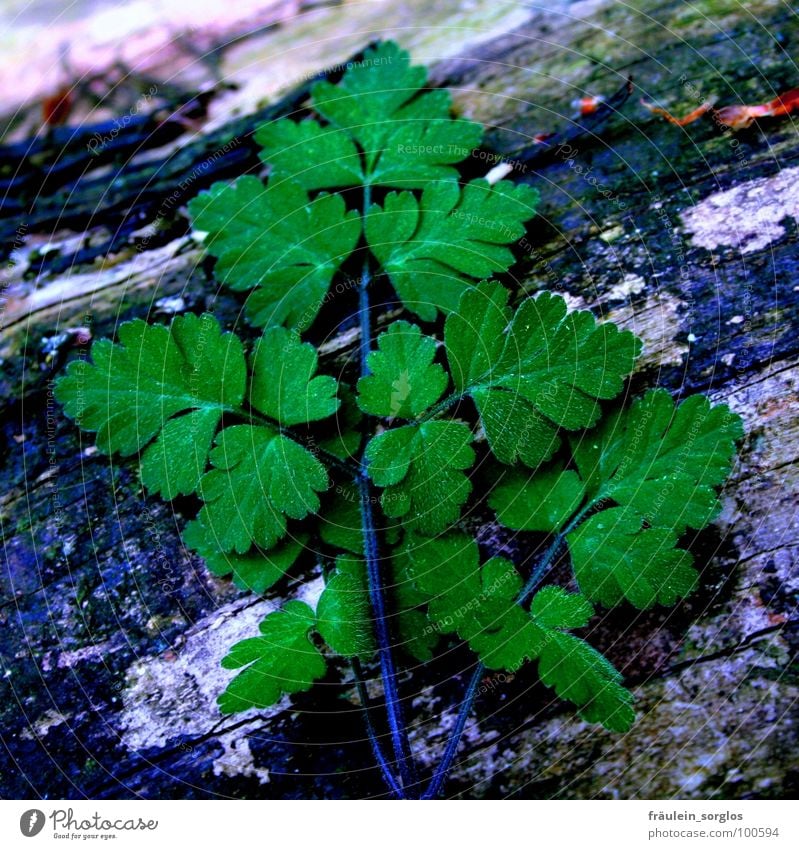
(441, 406)
(377, 594)
(399, 736)
(550, 554)
(440, 775)
(377, 749)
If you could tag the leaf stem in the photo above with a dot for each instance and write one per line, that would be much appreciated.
(440, 775)
(442, 405)
(538, 575)
(377, 750)
(399, 735)
(550, 554)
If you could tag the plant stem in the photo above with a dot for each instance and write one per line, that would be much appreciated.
(396, 723)
(442, 405)
(440, 775)
(377, 595)
(538, 575)
(550, 554)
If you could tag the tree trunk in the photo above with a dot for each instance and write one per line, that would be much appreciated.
(112, 632)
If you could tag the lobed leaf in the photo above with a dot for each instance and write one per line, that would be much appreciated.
(136, 390)
(534, 371)
(579, 673)
(404, 381)
(281, 661)
(480, 604)
(652, 471)
(258, 478)
(422, 470)
(411, 153)
(574, 669)
(616, 558)
(343, 615)
(274, 240)
(663, 460)
(541, 502)
(384, 128)
(310, 155)
(256, 570)
(283, 384)
(435, 247)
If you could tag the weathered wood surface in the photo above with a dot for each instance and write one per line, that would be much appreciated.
(111, 632)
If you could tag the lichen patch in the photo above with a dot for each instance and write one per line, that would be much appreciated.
(748, 217)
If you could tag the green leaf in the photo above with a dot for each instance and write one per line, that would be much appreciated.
(535, 371)
(416, 635)
(475, 334)
(654, 470)
(412, 152)
(421, 151)
(405, 136)
(579, 673)
(256, 570)
(553, 607)
(259, 478)
(274, 238)
(131, 391)
(574, 669)
(616, 559)
(478, 603)
(514, 429)
(343, 614)
(175, 462)
(421, 468)
(404, 380)
(281, 661)
(283, 383)
(435, 247)
(543, 502)
(663, 461)
(314, 156)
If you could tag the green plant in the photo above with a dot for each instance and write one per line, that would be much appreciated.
(505, 410)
